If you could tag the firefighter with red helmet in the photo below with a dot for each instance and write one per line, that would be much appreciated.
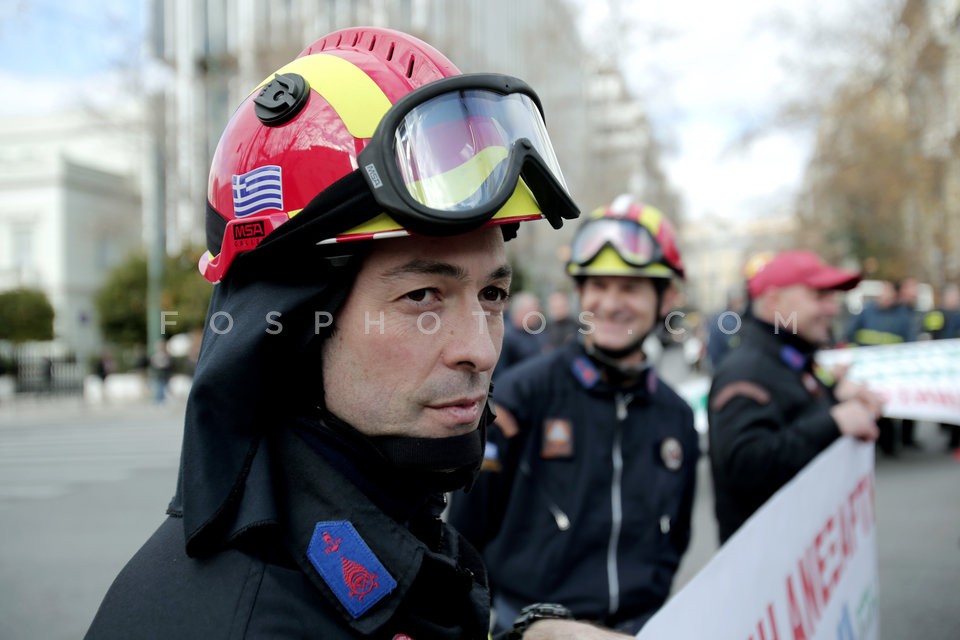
(359, 200)
(588, 480)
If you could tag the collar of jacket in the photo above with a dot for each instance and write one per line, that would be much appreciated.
(308, 489)
(600, 378)
(792, 350)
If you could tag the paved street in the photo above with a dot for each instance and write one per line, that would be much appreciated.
(81, 488)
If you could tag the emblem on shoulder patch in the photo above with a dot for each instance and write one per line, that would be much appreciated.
(671, 452)
(348, 566)
(557, 439)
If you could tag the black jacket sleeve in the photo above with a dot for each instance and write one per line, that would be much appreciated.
(761, 439)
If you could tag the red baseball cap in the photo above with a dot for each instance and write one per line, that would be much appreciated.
(790, 268)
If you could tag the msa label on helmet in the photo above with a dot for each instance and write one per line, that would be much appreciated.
(374, 176)
(257, 191)
(249, 234)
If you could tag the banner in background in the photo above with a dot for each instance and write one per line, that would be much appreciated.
(917, 380)
(803, 567)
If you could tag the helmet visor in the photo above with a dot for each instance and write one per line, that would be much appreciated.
(452, 152)
(449, 155)
(632, 242)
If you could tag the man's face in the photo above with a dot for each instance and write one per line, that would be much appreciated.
(419, 335)
(888, 295)
(617, 310)
(811, 311)
(909, 290)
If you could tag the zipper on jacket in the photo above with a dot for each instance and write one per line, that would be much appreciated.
(616, 501)
(563, 522)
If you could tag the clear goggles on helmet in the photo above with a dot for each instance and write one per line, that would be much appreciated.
(632, 241)
(447, 156)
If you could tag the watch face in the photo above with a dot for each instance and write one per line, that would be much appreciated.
(540, 611)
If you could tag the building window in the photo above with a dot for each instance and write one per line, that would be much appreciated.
(22, 251)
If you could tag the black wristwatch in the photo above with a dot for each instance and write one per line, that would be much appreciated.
(539, 611)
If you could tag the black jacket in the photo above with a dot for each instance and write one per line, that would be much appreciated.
(261, 513)
(267, 582)
(617, 464)
(768, 415)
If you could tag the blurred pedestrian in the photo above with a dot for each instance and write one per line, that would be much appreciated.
(561, 326)
(104, 366)
(350, 391)
(589, 475)
(769, 413)
(943, 323)
(46, 374)
(884, 321)
(724, 327)
(161, 370)
(909, 293)
(523, 335)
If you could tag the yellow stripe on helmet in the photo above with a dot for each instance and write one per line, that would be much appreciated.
(520, 206)
(353, 94)
(650, 217)
(450, 188)
(609, 263)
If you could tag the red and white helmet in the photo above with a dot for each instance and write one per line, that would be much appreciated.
(304, 128)
(626, 238)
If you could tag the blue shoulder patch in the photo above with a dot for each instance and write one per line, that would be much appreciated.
(585, 371)
(348, 566)
(792, 357)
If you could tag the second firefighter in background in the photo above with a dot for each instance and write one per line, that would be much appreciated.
(589, 472)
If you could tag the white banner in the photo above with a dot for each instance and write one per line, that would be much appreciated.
(917, 380)
(804, 567)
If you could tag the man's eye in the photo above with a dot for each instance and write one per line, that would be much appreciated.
(495, 294)
(420, 295)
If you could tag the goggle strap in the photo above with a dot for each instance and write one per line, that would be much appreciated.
(216, 227)
(341, 206)
(555, 203)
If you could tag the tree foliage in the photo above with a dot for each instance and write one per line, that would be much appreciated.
(864, 173)
(878, 187)
(122, 301)
(25, 314)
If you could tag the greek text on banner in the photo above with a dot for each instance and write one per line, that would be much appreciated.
(803, 567)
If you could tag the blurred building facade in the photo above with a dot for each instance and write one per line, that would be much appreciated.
(215, 51)
(71, 211)
(715, 253)
(80, 190)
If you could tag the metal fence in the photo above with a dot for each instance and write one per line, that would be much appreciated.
(41, 368)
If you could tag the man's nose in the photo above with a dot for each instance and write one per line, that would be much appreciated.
(471, 341)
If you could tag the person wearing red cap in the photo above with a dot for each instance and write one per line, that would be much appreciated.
(769, 413)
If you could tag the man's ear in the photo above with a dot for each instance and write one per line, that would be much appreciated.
(668, 299)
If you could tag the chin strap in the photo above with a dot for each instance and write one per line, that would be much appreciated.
(610, 363)
(430, 464)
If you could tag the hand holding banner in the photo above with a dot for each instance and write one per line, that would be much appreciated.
(917, 380)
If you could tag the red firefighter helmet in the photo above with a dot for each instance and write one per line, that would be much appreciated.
(626, 238)
(303, 129)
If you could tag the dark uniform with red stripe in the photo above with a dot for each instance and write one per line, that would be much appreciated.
(769, 416)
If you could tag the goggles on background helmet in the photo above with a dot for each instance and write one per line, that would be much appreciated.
(447, 156)
(632, 241)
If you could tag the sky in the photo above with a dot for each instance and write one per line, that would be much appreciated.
(706, 71)
(710, 72)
